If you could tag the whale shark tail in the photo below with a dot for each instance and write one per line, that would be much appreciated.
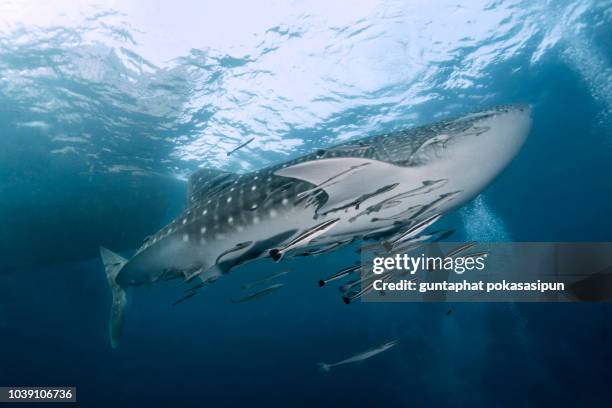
(112, 265)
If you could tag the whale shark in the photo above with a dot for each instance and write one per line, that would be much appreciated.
(371, 188)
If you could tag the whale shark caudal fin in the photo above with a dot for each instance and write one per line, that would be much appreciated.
(112, 265)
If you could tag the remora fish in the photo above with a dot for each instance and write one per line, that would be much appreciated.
(359, 357)
(460, 249)
(410, 242)
(475, 255)
(412, 232)
(349, 285)
(184, 298)
(325, 249)
(240, 146)
(362, 281)
(259, 293)
(347, 299)
(225, 209)
(340, 274)
(264, 280)
(427, 187)
(304, 238)
(195, 288)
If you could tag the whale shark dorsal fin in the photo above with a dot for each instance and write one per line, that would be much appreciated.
(342, 177)
(208, 182)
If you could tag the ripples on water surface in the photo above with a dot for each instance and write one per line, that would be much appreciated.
(169, 88)
(104, 109)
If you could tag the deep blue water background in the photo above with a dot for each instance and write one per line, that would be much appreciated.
(62, 197)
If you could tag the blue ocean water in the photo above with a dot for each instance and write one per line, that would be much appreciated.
(106, 109)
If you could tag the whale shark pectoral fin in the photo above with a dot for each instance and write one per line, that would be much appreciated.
(343, 178)
(322, 171)
(112, 265)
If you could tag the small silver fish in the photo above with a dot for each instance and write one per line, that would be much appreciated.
(184, 298)
(363, 282)
(240, 146)
(389, 247)
(304, 238)
(195, 287)
(349, 285)
(340, 274)
(349, 298)
(404, 249)
(460, 249)
(264, 280)
(259, 293)
(414, 230)
(443, 235)
(475, 254)
(191, 276)
(359, 357)
(356, 203)
(370, 247)
(325, 249)
(427, 187)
